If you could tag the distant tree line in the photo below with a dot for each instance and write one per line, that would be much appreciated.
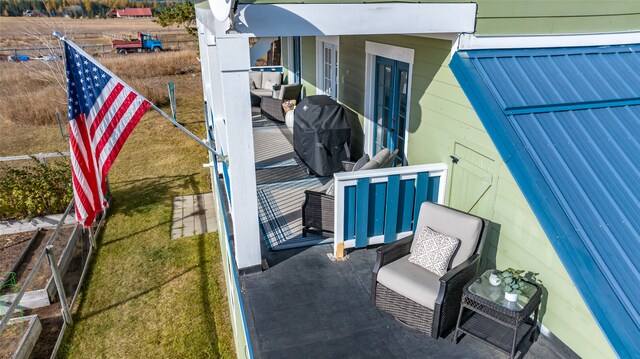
(75, 8)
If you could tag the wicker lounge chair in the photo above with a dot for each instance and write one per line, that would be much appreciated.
(317, 209)
(417, 297)
(271, 106)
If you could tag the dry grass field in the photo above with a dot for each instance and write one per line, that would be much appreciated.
(30, 93)
(17, 25)
(15, 31)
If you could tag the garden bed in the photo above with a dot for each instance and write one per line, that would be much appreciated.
(51, 315)
(41, 288)
(18, 339)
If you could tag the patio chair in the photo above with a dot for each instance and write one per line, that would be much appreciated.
(271, 107)
(417, 297)
(318, 206)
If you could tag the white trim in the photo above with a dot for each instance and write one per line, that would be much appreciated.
(320, 44)
(263, 20)
(403, 54)
(472, 42)
(405, 172)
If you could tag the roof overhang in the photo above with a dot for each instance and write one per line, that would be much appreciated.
(565, 121)
(262, 20)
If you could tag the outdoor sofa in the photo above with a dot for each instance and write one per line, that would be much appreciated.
(417, 297)
(261, 84)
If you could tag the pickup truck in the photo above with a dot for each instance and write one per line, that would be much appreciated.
(144, 43)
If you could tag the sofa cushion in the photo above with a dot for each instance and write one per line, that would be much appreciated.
(270, 79)
(255, 80)
(411, 281)
(262, 92)
(432, 250)
(465, 227)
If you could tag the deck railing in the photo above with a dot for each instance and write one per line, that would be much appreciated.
(381, 205)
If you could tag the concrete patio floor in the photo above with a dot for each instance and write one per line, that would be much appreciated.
(307, 306)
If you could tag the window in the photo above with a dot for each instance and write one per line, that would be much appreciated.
(327, 66)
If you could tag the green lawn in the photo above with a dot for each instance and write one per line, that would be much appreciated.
(147, 296)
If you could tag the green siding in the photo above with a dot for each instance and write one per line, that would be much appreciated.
(442, 122)
(308, 48)
(500, 17)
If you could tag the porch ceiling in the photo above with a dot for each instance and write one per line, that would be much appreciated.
(297, 19)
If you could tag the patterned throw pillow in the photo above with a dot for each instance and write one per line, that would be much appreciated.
(433, 250)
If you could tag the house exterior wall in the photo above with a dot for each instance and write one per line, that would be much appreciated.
(308, 56)
(442, 122)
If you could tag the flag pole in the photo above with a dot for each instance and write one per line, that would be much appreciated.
(222, 157)
(178, 125)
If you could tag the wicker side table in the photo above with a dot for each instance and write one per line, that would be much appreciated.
(485, 315)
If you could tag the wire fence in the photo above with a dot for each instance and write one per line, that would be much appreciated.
(95, 34)
(171, 45)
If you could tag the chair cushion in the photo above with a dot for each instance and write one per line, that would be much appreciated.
(387, 162)
(432, 250)
(255, 80)
(330, 186)
(361, 162)
(381, 156)
(411, 281)
(465, 227)
(270, 79)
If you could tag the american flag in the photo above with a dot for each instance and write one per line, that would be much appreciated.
(103, 111)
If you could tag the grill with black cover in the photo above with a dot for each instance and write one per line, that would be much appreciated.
(321, 134)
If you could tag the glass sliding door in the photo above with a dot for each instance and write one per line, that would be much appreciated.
(390, 106)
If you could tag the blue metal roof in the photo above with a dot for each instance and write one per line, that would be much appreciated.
(566, 121)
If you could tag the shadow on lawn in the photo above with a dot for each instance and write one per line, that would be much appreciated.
(136, 296)
(141, 196)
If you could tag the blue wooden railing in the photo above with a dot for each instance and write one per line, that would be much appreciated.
(381, 206)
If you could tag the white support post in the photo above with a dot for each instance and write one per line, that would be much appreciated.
(226, 58)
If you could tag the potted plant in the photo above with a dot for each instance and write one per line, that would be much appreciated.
(513, 282)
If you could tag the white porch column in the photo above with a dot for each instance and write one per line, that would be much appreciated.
(226, 65)
(233, 64)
